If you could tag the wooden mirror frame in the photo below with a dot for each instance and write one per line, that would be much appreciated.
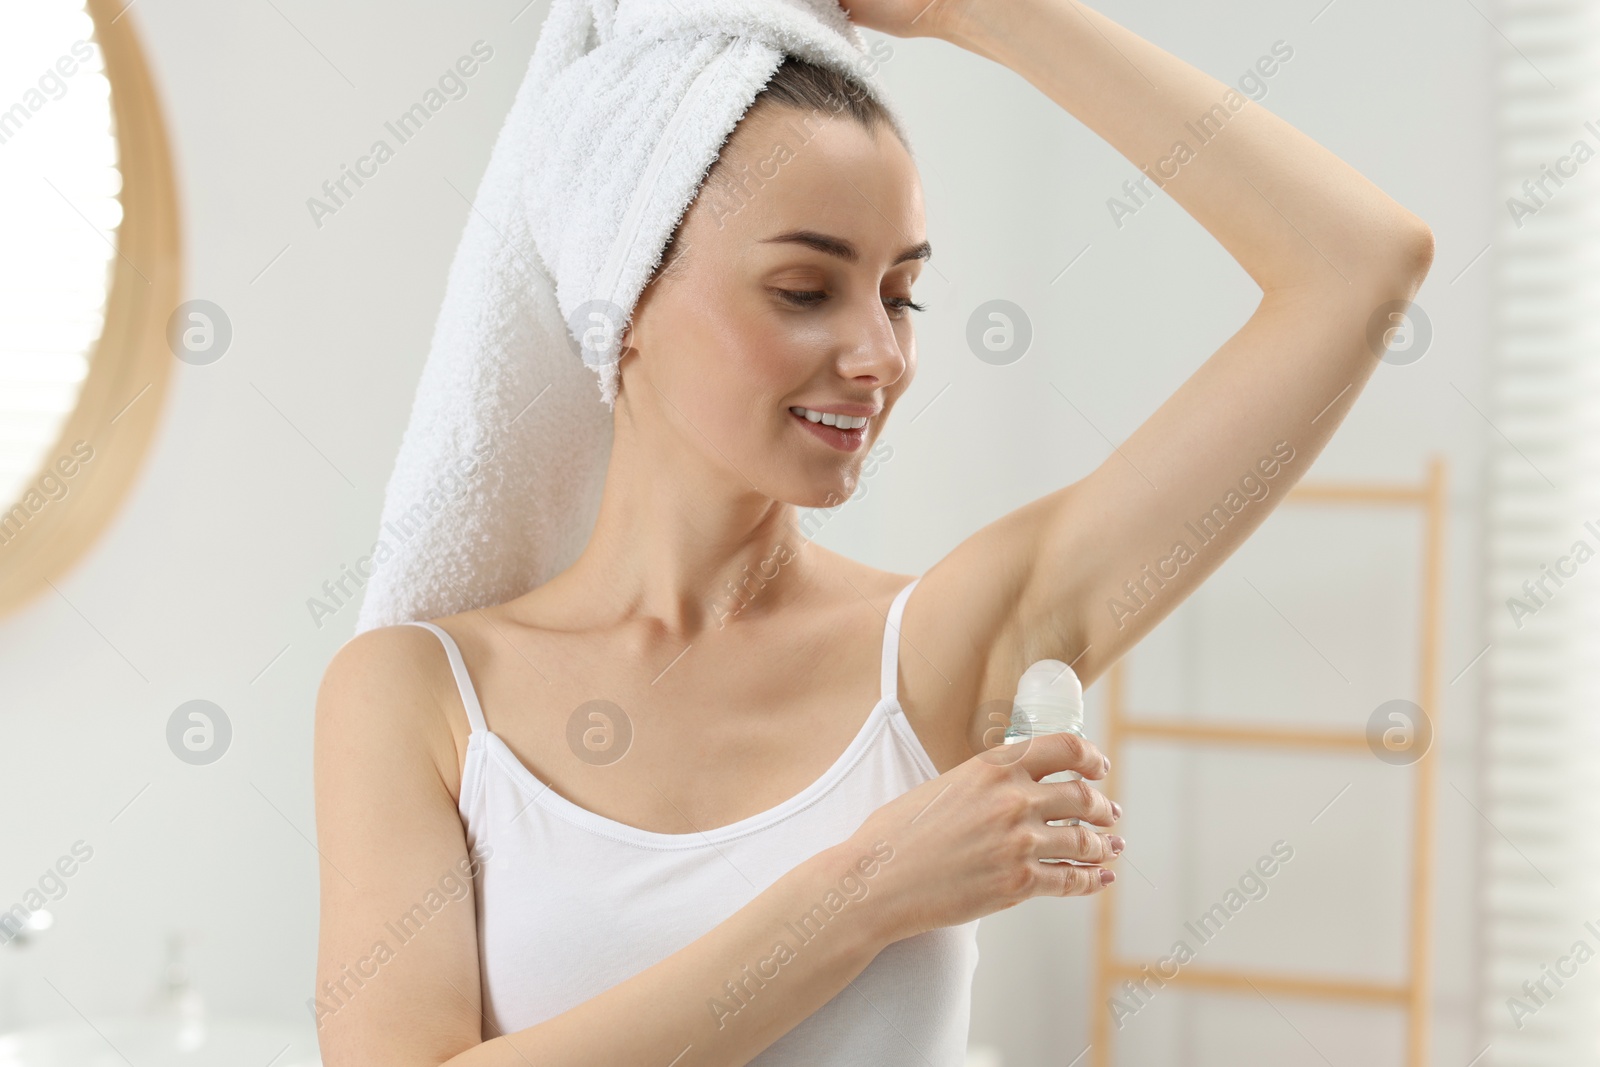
(124, 392)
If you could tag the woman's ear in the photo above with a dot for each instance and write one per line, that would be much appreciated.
(630, 333)
(625, 348)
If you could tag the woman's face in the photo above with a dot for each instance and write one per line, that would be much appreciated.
(752, 321)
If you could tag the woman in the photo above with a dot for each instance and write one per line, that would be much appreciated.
(813, 899)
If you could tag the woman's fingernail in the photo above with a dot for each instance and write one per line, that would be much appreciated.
(1116, 810)
(1105, 764)
(1116, 844)
(1107, 876)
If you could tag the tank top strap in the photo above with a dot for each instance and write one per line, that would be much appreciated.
(458, 666)
(891, 643)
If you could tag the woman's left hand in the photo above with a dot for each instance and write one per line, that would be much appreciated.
(904, 18)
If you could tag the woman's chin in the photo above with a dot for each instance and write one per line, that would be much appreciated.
(824, 497)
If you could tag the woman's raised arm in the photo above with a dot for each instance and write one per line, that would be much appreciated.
(1084, 572)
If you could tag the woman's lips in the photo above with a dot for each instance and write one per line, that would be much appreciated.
(843, 440)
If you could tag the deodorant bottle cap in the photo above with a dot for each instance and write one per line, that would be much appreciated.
(1050, 697)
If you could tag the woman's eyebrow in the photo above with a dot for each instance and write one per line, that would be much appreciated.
(838, 246)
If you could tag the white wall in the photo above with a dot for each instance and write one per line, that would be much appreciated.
(269, 471)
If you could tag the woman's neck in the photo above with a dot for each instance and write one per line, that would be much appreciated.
(681, 543)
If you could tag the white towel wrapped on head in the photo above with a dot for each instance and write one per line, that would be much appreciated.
(625, 106)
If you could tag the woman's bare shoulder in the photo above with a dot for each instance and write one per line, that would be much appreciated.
(856, 580)
(387, 656)
(382, 688)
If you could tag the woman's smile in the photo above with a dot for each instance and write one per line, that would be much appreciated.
(845, 440)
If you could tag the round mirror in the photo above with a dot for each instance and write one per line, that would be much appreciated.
(88, 275)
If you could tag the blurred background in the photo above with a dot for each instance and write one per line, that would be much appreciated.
(1385, 698)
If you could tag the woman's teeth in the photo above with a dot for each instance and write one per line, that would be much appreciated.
(843, 422)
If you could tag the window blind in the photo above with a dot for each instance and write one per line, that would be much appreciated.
(1540, 787)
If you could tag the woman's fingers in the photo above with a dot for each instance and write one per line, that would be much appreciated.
(1076, 800)
(1050, 753)
(1079, 843)
(1069, 881)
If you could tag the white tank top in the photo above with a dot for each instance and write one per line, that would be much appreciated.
(570, 903)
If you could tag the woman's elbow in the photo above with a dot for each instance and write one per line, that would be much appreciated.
(1398, 259)
(1416, 248)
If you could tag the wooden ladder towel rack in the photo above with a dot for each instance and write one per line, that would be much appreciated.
(1413, 994)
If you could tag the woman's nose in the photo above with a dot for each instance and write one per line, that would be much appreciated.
(875, 351)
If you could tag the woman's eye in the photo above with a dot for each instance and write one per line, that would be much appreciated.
(809, 298)
(804, 299)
